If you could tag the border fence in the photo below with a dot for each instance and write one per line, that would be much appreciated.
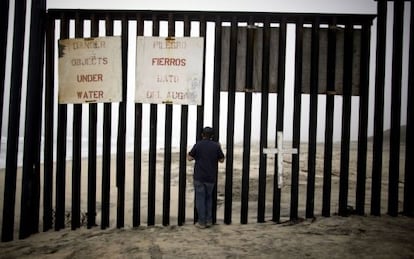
(332, 58)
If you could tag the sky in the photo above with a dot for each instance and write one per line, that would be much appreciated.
(323, 6)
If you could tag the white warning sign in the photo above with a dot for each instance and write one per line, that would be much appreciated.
(90, 70)
(169, 70)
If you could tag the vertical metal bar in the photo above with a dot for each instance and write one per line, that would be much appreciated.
(313, 119)
(183, 165)
(77, 146)
(106, 166)
(280, 112)
(263, 122)
(230, 122)
(346, 120)
(294, 201)
(363, 119)
(4, 24)
(48, 124)
(200, 108)
(247, 122)
(136, 214)
(29, 220)
(183, 149)
(120, 153)
(251, 33)
(106, 149)
(13, 129)
(216, 97)
(409, 144)
(329, 118)
(394, 165)
(153, 145)
(92, 142)
(61, 148)
(379, 108)
(246, 158)
(167, 144)
(152, 165)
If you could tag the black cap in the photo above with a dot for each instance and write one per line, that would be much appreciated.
(208, 132)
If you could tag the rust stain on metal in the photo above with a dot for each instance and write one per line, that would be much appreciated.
(61, 51)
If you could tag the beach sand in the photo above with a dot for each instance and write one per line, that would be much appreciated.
(319, 237)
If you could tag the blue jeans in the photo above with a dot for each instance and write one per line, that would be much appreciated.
(204, 201)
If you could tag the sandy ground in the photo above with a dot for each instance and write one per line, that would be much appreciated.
(333, 237)
(320, 237)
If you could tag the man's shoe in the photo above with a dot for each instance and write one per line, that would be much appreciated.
(202, 226)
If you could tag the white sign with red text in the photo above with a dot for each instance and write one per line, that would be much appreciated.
(90, 70)
(169, 70)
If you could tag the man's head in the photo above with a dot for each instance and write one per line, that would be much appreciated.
(207, 133)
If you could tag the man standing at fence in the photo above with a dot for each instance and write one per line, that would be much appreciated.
(206, 153)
